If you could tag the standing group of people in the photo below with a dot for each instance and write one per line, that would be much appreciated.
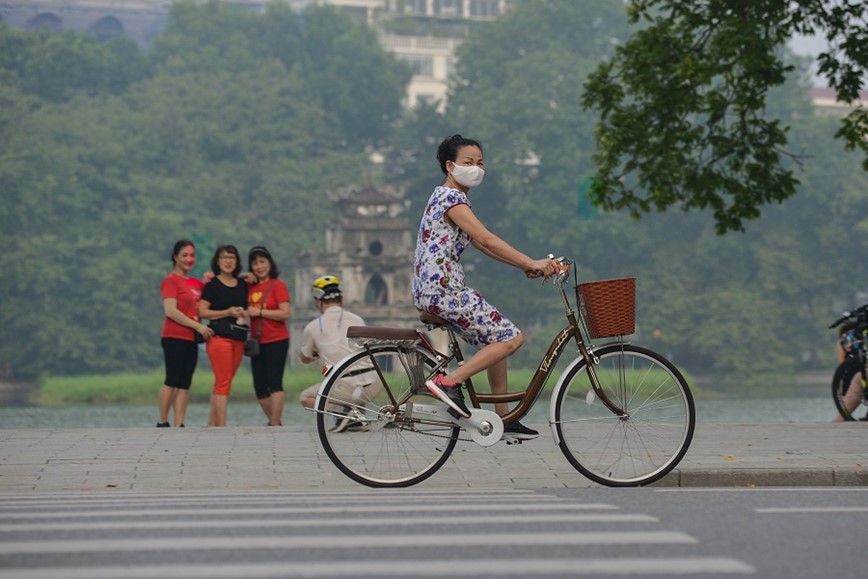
(259, 301)
(237, 306)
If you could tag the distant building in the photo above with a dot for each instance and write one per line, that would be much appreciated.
(423, 33)
(826, 101)
(140, 20)
(369, 247)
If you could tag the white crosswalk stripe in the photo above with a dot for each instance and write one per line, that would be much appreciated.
(395, 533)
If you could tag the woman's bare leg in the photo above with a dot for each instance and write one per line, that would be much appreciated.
(493, 358)
(277, 401)
(217, 416)
(497, 379)
(485, 358)
(165, 401)
(265, 404)
(180, 404)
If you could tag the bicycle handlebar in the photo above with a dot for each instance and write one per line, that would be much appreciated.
(860, 312)
(564, 264)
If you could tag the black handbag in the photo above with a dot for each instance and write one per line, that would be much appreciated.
(251, 345)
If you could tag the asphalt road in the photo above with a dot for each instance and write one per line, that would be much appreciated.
(769, 533)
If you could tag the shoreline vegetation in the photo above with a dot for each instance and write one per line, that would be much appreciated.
(142, 387)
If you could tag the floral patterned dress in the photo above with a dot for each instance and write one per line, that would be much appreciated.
(438, 280)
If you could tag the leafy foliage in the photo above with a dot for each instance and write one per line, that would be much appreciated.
(235, 125)
(102, 172)
(682, 104)
(56, 66)
(745, 305)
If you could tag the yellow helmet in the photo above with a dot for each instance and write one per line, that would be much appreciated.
(326, 287)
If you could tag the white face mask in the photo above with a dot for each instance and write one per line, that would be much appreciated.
(468, 175)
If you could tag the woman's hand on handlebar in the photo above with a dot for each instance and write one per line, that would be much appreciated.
(543, 268)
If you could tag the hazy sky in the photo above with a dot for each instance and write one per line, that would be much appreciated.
(810, 46)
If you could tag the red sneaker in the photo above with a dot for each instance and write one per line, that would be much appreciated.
(449, 394)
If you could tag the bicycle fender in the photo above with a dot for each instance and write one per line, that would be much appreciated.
(328, 375)
(339, 365)
(558, 386)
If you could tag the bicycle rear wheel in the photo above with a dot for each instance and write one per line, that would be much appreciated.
(363, 433)
(636, 449)
(847, 387)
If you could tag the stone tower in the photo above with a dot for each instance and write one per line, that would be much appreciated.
(369, 247)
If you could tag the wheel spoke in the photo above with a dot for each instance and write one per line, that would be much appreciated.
(384, 447)
(641, 446)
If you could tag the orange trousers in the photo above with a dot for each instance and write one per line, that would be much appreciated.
(225, 356)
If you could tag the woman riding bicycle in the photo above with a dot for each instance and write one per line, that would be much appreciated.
(448, 226)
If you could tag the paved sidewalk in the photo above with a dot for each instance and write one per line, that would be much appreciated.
(257, 459)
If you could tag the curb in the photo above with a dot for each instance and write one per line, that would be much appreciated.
(766, 477)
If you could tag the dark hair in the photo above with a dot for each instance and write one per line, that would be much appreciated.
(215, 260)
(846, 327)
(260, 251)
(179, 245)
(448, 149)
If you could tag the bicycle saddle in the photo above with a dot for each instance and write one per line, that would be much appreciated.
(382, 333)
(432, 319)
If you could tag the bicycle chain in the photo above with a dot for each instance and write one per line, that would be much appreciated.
(441, 435)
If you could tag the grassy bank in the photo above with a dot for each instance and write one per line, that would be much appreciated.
(142, 388)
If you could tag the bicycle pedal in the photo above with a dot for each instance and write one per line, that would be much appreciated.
(510, 440)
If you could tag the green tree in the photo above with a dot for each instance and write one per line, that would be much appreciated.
(750, 305)
(682, 105)
(97, 185)
(517, 92)
(345, 70)
(56, 66)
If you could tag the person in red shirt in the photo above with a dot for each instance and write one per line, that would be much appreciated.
(178, 338)
(268, 309)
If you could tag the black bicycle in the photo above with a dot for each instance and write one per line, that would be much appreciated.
(851, 374)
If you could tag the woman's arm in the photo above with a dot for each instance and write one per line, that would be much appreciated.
(283, 312)
(207, 313)
(170, 307)
(493, 246)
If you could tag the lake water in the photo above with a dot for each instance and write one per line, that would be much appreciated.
(796, 409)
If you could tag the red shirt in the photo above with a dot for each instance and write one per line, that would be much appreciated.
(196, 285)
(272, 330)
(175, 286)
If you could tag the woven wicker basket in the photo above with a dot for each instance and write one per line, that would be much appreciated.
(608, 306)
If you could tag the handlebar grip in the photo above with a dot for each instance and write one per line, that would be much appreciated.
(841, 320)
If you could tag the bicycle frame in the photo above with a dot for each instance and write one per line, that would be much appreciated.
(528, 397)
(621, 414)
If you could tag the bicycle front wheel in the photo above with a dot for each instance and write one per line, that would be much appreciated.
(643, 445)
(847, 387)
(366, 422)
